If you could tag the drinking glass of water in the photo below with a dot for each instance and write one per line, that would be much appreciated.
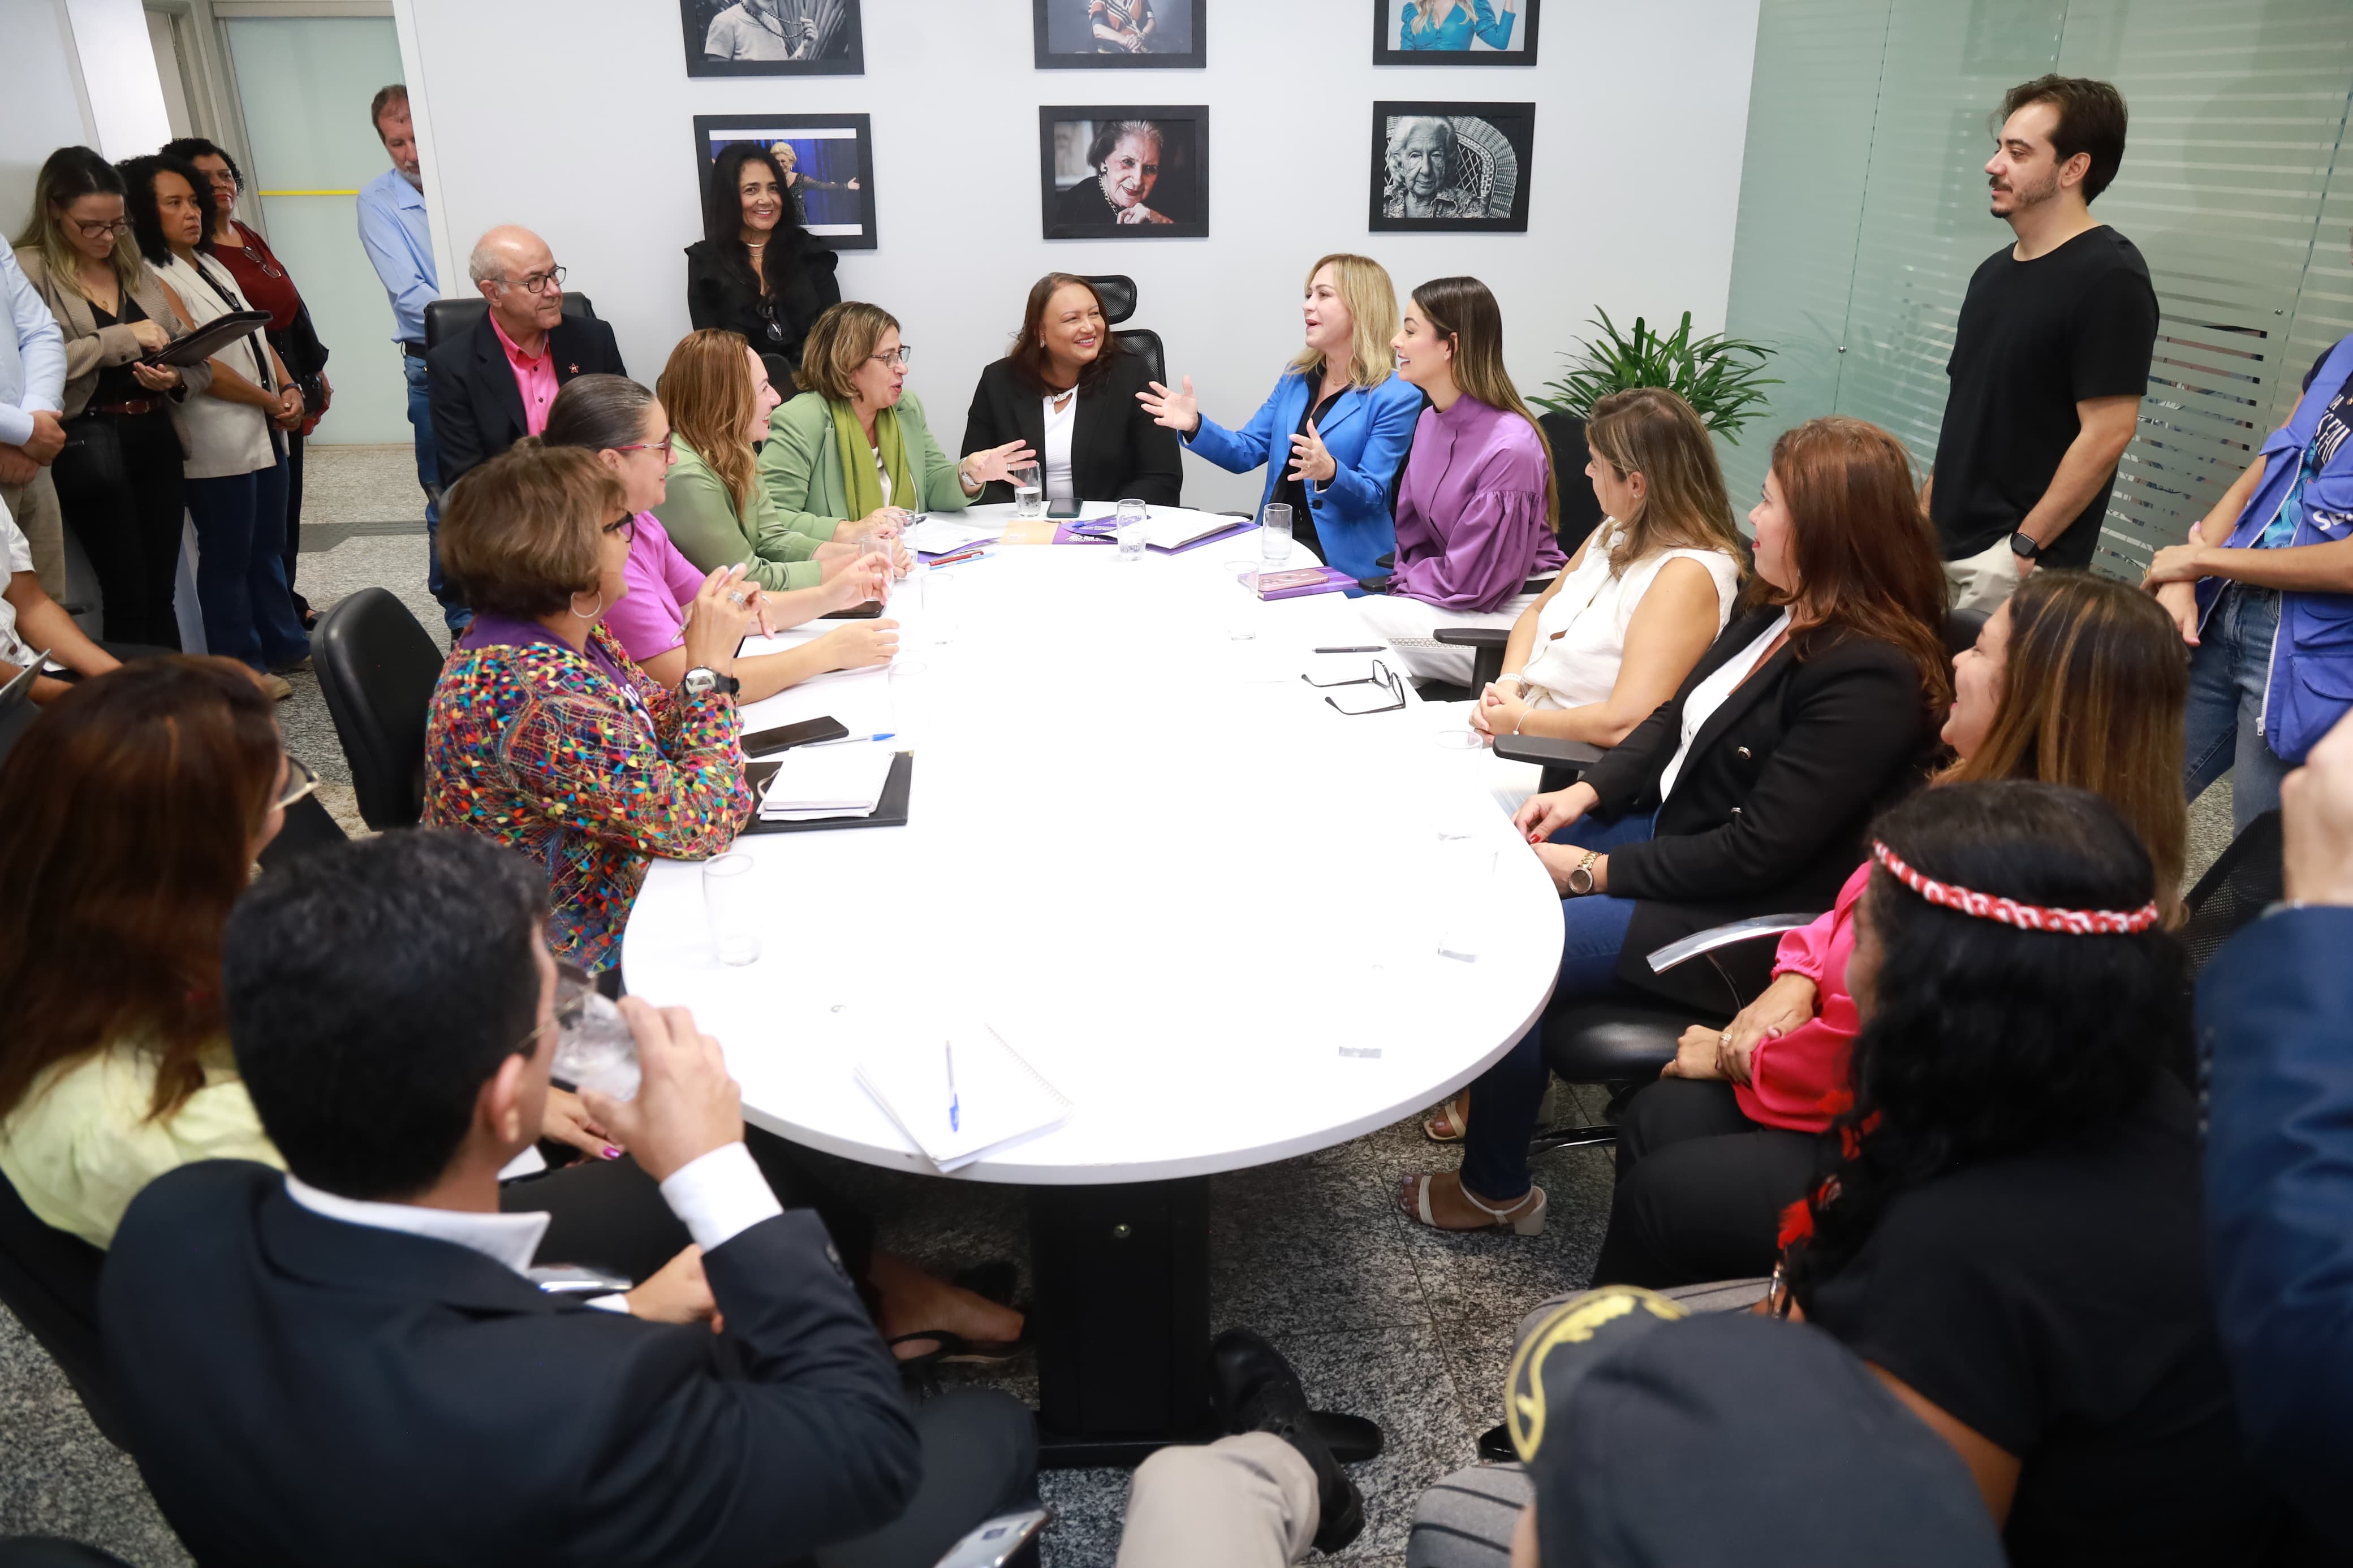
(877, 544)
(594, 1047)
(1135, 521)
(1029, 493)
(731, 902)
(1274, 534)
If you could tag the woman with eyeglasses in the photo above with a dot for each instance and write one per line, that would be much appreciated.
(261, 277)
(626, 426)
(756, 270)
(851, 454)
(236, 474)
(119, 476)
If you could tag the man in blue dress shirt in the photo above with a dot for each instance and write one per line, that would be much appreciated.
(400, 243)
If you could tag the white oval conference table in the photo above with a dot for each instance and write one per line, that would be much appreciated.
(1201, 902)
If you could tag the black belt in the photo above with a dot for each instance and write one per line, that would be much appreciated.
(131, 408)
(414, 350)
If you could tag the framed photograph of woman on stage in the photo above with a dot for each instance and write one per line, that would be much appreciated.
(1455, 32)
(1451, 167)
(827, 159)
(1124, 172)
(772, 37)
(1099, 35)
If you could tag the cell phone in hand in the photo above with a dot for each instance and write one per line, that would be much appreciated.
(783, 737)
(995, 1542)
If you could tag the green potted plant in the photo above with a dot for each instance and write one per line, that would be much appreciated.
(1719, 377)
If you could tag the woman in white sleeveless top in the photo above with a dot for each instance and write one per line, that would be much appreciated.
(1625, 622)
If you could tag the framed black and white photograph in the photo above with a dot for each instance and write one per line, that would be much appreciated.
(772, 37)
(1455, 32)
(827, 161)
(1099, 35)
(1452, 166)
(1124, 172)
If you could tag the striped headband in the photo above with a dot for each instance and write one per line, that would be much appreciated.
(2009, 911)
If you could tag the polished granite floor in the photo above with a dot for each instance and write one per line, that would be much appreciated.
(1382, 1317)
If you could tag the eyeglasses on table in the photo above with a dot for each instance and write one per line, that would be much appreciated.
(1382, 677)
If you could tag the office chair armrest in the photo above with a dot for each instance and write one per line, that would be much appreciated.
(1375, 584)
(1546, 750)
(1474, 637)
(1726, 935)
(1389, 560)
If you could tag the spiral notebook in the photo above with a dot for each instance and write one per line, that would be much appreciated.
(998, 1099)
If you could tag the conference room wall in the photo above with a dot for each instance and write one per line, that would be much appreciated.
(577, 120)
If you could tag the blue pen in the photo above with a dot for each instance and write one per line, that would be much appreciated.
(852, 740)
(955, 1117)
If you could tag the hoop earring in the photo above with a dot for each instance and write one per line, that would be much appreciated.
(591, 615)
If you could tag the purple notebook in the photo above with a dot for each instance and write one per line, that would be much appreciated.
(1296, 580)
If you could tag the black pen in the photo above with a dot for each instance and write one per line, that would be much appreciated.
(1375, 648)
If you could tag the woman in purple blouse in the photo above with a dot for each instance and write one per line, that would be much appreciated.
(1477, 507)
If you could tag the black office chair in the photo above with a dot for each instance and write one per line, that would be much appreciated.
(309, 828)
(2244, 881)
(780, 374)
(447, 318)
(1117, 293)
(1580, 508)
(377, 669)
(49, 1278)
(52, 1551)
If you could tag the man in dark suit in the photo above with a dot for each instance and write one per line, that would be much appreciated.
(347, 1364)
(492, 386)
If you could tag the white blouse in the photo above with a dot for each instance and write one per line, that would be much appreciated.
(1710, 694)
(225, 438)
(1058, 448)
(1581, 631)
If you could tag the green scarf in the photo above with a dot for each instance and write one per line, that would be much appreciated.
(859, 481)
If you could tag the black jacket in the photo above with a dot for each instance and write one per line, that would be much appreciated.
(1116, 451)
(301, 1390)
(477, 411)
(719, 296)
(1770, 812)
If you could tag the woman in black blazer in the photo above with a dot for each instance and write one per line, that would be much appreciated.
(756, 270)
(1068, 392)
(1749, 792)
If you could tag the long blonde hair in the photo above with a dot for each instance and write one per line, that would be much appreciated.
(1653, 432)
(1462, 308)
(1365, 288)
(706, 390)
(68, 175)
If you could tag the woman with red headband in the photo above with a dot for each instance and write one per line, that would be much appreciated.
(2076, 680)
(2012, 1239)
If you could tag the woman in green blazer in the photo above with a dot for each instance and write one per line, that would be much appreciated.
(852, 453)
(717, 395)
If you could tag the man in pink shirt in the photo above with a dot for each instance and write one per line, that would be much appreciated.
(490, 386)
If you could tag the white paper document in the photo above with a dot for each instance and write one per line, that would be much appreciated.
(938, 536)
(960, 1092)
(820, 780)
(1175, 527)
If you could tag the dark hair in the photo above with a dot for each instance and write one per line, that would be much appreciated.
(597, 413)
(385, 98)
(190, 148)
(128, 816)
(372, 989)
(2091, 117)
(1984, 1040)
(1028, 356)
(146, 218)
(723, 220)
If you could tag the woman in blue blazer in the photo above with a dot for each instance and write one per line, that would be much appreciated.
(1335, 430)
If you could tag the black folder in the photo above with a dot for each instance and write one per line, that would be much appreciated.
(890, 812)
(210, 339)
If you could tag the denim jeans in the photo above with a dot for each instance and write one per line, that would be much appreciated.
(240, 576)
(1505, 1098)
(428, 475)
(2227, 678)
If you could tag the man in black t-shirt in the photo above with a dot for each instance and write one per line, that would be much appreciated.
(2051, 353)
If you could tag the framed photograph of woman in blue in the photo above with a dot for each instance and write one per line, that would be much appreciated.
(1455, 32)
(827, 161)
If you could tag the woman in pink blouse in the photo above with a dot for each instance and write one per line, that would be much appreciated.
(626, 426)
(2077, 679)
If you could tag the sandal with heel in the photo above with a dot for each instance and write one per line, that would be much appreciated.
(1525, 1217)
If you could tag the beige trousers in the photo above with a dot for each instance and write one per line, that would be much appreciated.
(34, 505)
(1240, 1502)
(1983, 580)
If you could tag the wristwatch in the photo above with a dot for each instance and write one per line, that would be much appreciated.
(2024, 545)
(1580, 880)
(701, 682)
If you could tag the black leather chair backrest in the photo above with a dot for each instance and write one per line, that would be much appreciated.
(1961, 630)
(1146, 346)
(2246, 878)
(447, 318)
(51, 1551)
(1580, 510)
(48, 1278)
(1117, 293)
(377, 669)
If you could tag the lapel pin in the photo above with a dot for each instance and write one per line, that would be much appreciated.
(576, 370)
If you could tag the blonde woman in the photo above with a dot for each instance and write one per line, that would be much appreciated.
(1346, 419)
(1477, 507)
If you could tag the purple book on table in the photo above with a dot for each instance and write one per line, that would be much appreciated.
(1292, 584)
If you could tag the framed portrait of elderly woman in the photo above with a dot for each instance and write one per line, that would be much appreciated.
(1455, 32)
(1452, 166)
(1124, 172)
(827, 159)
(1113, 34)
(772, 37)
